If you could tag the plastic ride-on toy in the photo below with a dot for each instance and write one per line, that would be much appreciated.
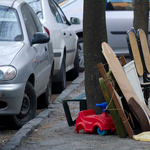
(88, 121)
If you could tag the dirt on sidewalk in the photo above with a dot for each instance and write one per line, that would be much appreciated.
(55, 134)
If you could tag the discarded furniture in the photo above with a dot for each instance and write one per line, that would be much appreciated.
(140, 110)
(83, 106)
(137, 55)
(89, 121)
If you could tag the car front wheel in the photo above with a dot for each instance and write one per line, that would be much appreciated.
(28, 108)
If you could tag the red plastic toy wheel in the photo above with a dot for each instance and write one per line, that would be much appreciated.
(101, 132)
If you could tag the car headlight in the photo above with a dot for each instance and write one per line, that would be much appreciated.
(7, 73)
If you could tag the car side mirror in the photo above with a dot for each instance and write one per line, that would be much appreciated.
(40, 38)
(74, 20)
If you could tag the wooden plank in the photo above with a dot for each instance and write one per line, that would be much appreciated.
(136, 53)
(145, 49)
(121, 78)
(115, 100)
(123, 60)
(112, 108)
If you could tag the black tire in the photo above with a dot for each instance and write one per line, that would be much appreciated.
(58, 87)
(28, 109)
(74, 73)
(81, 54)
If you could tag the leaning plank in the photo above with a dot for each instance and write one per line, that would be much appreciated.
(115, 100)
(112, 109)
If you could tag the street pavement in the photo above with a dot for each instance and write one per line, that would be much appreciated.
(50, 131)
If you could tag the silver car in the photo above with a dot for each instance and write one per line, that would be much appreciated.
(26, 63)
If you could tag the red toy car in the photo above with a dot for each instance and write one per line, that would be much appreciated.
(89, 121)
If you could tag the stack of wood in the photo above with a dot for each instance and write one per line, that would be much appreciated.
(123, 94)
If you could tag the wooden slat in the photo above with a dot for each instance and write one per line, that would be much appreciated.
(147, 83)
(136, 53)
(145, 49)
(123, 60)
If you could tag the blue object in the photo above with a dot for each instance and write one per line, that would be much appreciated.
(101, 132)
(103, 106)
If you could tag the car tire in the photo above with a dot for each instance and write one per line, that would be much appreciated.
(74, 73)
(81, 54)
(58, 87)
(28, 109)
(45, 98)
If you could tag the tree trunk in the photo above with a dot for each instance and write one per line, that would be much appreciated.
(94, 27)
(141, 15)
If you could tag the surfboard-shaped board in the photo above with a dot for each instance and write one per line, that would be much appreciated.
(122, 79)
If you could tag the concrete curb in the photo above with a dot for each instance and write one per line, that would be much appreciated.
(33, 124)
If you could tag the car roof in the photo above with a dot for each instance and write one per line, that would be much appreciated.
(9, 3)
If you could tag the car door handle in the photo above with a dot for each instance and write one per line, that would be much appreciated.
(64, 33)
(45, 48)
(70, 34)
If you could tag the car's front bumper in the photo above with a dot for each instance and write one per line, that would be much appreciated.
(11, 97)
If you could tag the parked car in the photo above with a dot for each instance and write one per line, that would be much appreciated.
(73, 9)
(26, 63)
(119, 19)
(64, 41)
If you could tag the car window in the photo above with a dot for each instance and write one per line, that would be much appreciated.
(120, 4)
(10, 28)
(30, 21)
(61, 14)
(37, 7)
(55, 12)
(36, 20)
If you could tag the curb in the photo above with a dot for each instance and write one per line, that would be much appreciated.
(33, 124)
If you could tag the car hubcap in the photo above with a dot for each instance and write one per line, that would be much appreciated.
(81, 55)
(25, 106)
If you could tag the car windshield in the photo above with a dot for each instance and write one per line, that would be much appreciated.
(10, 29)
(36, 6)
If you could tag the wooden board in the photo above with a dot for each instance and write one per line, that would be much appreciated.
(145, 49)
(120, 77)
(112, 109)
(135, 52)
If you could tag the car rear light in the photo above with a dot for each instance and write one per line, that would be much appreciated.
(47, 31)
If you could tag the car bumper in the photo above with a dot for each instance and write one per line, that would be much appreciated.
(11, 97)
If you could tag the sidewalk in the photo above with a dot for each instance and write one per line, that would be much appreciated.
(55, 134)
